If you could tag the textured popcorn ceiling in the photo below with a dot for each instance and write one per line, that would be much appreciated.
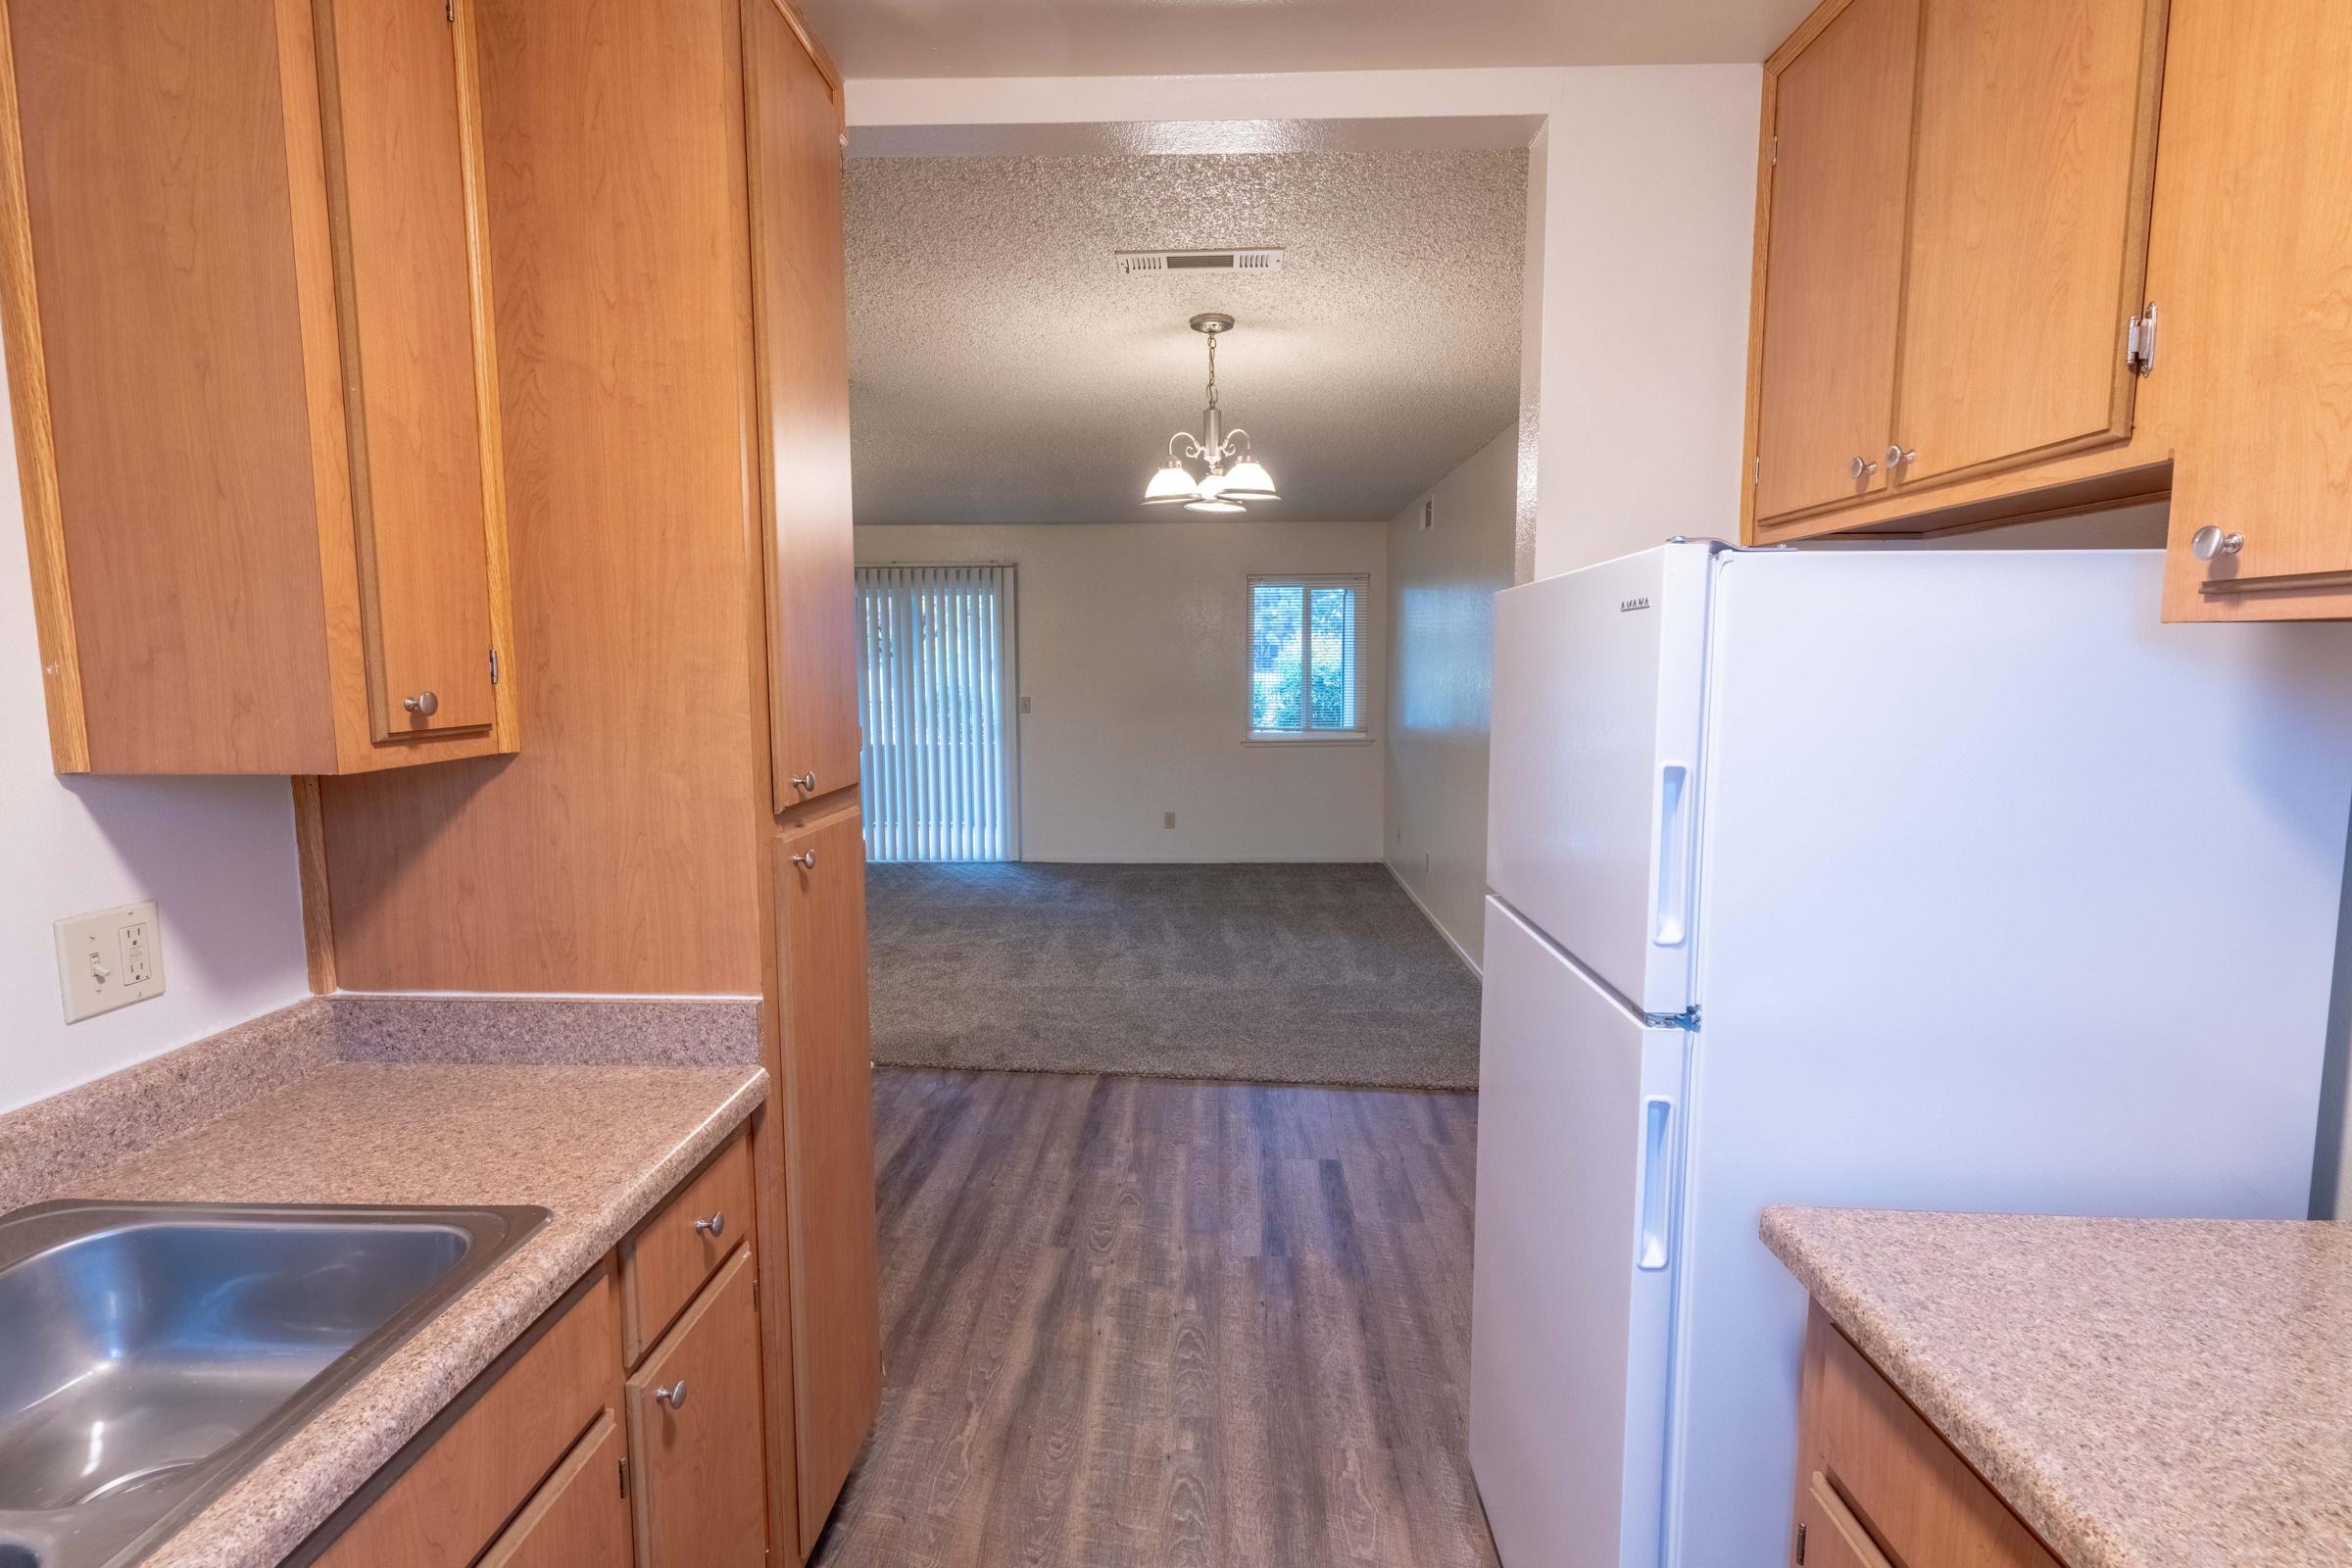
(1002, 370)
(1175, 37)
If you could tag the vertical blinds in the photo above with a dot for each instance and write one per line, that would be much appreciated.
(935, 695)
(1304, 677)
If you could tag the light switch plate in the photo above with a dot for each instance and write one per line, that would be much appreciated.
(109, 959)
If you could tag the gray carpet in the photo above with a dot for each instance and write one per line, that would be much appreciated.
(1310, 974)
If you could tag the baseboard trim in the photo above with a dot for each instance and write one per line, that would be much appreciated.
(1436, 924)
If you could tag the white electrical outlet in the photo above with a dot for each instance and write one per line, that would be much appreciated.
(109, 959)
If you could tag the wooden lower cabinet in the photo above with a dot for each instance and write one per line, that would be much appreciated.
(1875, 1486)
(575, 1453)
(443, 1498)
(695, 1434)
(580, 1518)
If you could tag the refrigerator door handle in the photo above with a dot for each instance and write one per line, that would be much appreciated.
(1673, 895)
(1653, 1251)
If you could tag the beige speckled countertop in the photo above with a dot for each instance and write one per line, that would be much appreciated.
(2145, 1393)
(388, 1103)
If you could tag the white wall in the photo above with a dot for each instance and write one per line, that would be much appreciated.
(217, 854)
(1134, 654)
(1641, 210)
(1443, 580)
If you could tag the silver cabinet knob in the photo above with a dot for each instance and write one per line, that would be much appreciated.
(1862, 469)
(423, 703)
(806, 783)
(716, 1226)
(1898, 458)
(2208, 542)
(674, 1395)
(805, 859)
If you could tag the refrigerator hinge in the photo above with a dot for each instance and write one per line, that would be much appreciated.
(2140, 343)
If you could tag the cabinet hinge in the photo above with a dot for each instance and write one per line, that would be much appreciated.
(449, 10)
(1776, 152)
(493, 666)
(2140, 343)
(624, 1483)
(1757, 475)
(1800, 1543)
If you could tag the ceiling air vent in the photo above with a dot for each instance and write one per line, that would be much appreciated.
(1140, 264)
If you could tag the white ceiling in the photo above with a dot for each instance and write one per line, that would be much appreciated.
(1186, 38)
(1002, 370)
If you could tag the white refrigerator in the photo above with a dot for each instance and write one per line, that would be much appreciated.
(1931, 879)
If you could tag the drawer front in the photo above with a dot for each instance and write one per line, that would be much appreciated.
(469, 1476)
(1918, 1500)
(695, 1408)
(578, 1519)
(672, 1254)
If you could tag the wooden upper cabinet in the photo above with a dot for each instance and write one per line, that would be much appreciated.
(1836, 155)
(1952, 251)
(792, 124)
(2034, 167)
(248, 332)
(2252, 265)
(827, 1098)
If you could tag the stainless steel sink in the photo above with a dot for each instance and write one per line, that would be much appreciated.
(150, 1353)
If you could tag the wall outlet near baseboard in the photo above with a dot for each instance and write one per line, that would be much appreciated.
(109, 959)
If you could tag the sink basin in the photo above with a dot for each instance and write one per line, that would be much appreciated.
(150, 1353)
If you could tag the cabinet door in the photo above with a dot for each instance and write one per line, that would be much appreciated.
(403, 140)
(1840, 160)
(829, 1143)
(2029, 204)
(577, 1519)
(2253, 214)
(793, 125)
(695, 1434)
(1828, 1535)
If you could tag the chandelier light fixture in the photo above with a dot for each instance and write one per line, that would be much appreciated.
(1223, 489)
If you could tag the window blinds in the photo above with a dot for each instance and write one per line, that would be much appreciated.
(1304, 678)
(936, 696)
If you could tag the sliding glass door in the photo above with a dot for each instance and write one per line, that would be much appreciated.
(938, 696)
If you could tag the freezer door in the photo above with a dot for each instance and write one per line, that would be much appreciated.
(1579, 1145)
(1592, 783)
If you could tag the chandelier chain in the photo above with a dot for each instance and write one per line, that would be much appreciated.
(1212, 370)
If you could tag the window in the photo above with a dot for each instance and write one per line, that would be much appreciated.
(1305, 684)
(936, 698)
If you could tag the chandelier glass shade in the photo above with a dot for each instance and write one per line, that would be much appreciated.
(1234, 476)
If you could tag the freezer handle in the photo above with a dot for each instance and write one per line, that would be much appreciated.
(1652, 1251)
(1673, 897)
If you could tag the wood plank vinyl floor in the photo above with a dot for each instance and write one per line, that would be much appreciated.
(1132, 1322)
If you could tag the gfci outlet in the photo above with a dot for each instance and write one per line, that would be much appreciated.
(109, 959)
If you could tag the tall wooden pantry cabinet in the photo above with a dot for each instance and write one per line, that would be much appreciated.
(663, 204)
